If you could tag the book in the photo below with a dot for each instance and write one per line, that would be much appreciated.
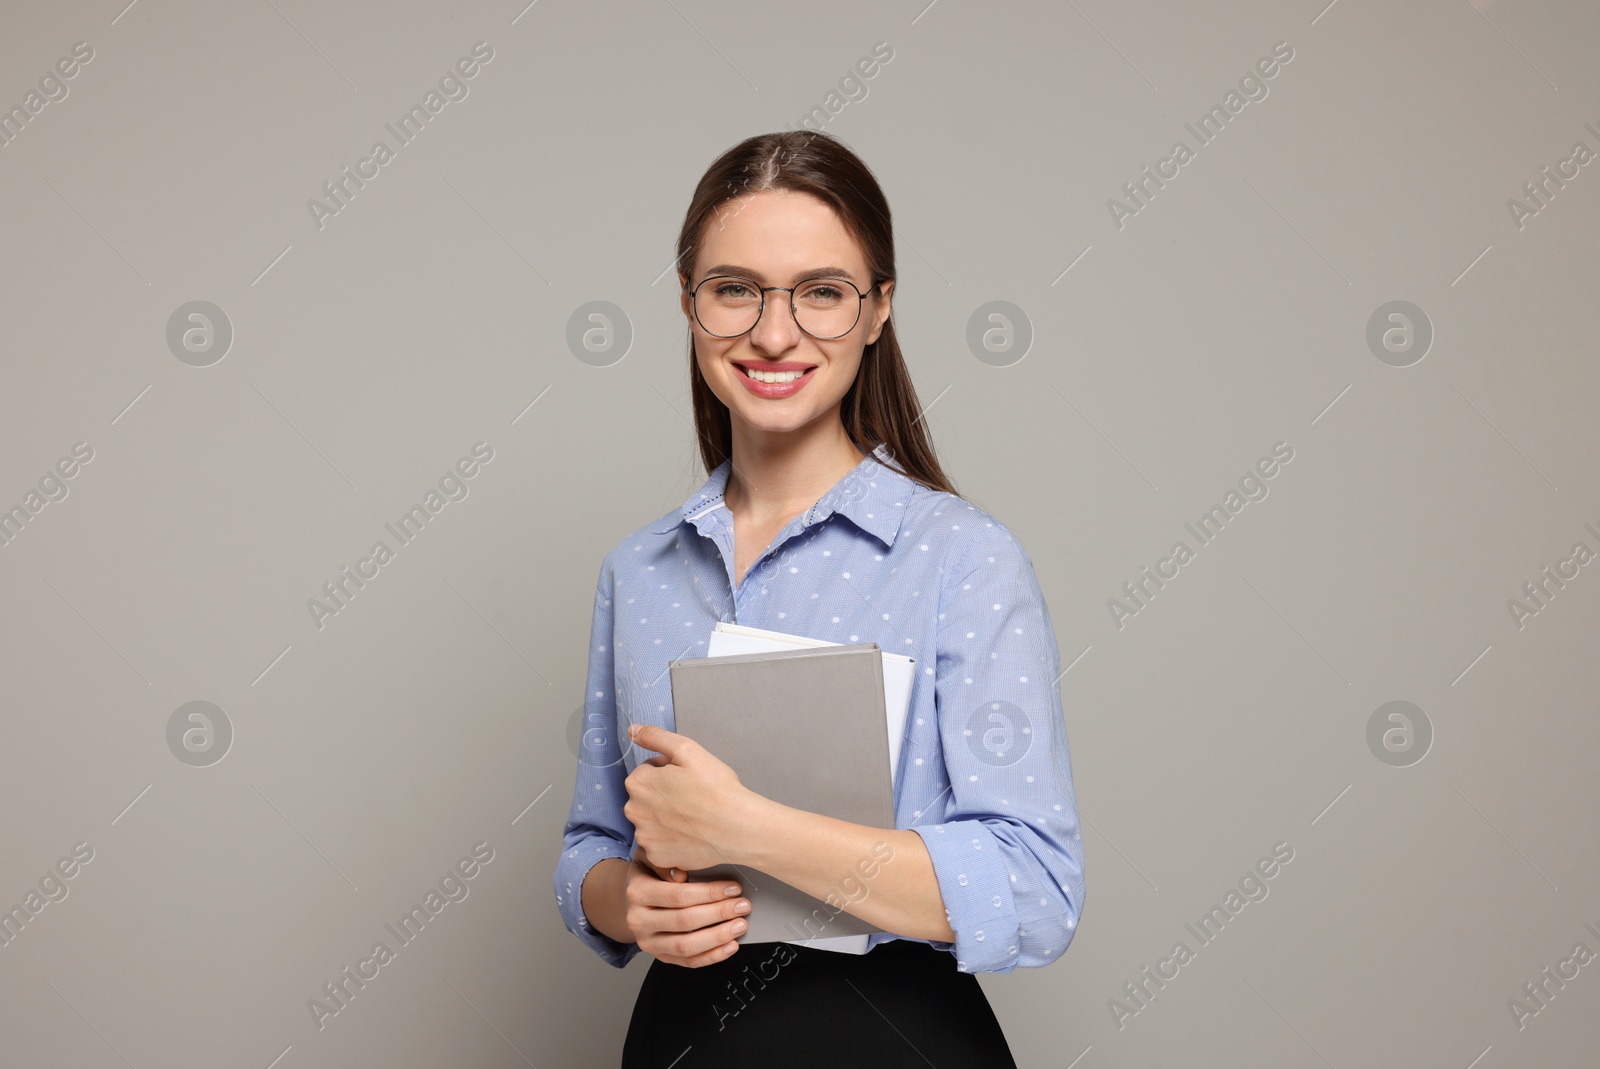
(808, 728)
(899, 674)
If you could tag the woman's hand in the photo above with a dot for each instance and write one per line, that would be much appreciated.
(687, 808)
(682, 922)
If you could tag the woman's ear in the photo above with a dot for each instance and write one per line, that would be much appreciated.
(880, 309)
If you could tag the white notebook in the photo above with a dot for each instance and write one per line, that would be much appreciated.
(899, 672)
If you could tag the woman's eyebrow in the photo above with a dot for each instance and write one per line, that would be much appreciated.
(756, 276)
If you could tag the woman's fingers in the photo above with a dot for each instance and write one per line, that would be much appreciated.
(693, 918)
(694, 949)
(669, 894)
(644, 859)
(659, 906)
(710, 957)
(692, 923)
(671, 875)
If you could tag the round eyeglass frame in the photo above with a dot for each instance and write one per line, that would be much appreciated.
(793, 311)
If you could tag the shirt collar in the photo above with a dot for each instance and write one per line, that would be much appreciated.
(873, 496)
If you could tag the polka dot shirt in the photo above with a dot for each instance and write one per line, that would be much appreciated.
(985, 775)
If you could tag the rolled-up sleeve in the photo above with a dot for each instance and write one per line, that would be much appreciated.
(596, 828)
(1007, 852)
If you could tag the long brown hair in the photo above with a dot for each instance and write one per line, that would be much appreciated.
(881, 404)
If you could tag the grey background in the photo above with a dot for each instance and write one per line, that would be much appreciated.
(431, 313)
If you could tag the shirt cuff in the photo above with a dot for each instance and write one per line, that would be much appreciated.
(609, 950)
(976, 887)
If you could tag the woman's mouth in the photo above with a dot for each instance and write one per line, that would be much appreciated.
(774, 384)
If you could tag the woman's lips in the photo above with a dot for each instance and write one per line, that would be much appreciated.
(773, 389)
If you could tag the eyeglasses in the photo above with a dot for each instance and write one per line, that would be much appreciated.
(727, 306)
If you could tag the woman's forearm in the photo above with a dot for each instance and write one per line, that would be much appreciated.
(604, 898)
(831, 860)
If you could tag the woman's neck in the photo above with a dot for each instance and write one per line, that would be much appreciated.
(774, 477)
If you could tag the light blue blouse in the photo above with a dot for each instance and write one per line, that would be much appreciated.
(985, 775)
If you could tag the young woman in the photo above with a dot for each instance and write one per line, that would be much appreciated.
(825, 514)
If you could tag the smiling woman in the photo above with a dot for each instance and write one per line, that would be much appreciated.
(825, 514)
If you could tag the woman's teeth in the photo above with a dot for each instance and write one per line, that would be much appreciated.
(773, 376)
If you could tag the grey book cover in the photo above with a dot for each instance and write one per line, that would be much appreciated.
(803, 727)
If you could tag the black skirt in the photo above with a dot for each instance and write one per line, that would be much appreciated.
(781, 1004)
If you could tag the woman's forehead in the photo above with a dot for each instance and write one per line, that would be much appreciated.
(779, 235)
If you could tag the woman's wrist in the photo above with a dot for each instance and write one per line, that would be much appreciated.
(604, 899)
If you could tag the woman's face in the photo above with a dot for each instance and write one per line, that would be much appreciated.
(781, 238)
